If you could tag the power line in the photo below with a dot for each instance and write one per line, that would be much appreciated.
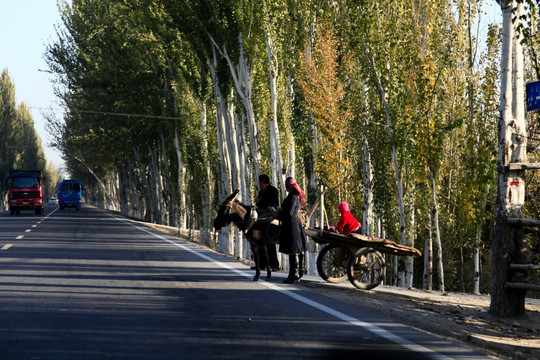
(127, 115)
(108, 113)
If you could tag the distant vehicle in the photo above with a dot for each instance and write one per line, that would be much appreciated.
(53, 201)
(25, 191)
(70, 194)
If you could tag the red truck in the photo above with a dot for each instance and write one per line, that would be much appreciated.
(25, 191)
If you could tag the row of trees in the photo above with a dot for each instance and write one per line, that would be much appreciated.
(390, 105)
(20, 145)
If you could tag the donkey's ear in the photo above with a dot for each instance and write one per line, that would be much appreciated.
(232, 196)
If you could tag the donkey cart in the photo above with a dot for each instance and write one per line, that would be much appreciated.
(354, 256)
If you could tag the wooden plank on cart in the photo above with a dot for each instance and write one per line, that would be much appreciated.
(358, 241)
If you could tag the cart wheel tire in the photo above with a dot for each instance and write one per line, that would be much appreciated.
(332, 263)
(366, 268)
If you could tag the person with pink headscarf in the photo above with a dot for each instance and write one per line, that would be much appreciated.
(292, 240)
(347, 223)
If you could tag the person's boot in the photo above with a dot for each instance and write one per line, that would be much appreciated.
(289, 279)
(300, 265)
(293, 270)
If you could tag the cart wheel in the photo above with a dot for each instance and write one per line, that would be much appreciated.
(366, 268)
(332, 263)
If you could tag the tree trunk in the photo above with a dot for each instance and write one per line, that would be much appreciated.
(245, 249)
(232, 144)
(428, 256)
(275, 161)
(367, 167)
(245, 161)
(135, 205)
(310, 161)
(476, 259)
(399, 185)
(144, 183)
(435, 212)
(291, 155)
(224, 188)
(180, 213)
(507, 242)
(397, 169)
(205, 184)
(367, 221)
(409, 236)
(235, 247)
(172, 220)
(242, 82)
(309, 167)
(379, 232)
(156, 188)
(123, 184)
(171, 98)
(113, 190)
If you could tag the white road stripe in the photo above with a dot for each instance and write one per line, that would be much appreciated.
(30, 230)
(351, 320)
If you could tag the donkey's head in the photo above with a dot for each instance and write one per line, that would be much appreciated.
(230, 211)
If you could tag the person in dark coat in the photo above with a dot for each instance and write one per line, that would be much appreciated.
(292, 240)
(268, 196)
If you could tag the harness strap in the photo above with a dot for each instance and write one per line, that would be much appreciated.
(252, 219)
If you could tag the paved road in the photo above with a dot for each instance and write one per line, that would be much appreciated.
(88, 285)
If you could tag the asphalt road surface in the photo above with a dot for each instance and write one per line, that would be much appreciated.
(89, 285)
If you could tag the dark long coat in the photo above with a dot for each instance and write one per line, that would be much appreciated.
(268, 197)
(292, 239)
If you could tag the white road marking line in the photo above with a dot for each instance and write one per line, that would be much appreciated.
(30, 230)
(49, 214)
(7, 246)
(351, 320)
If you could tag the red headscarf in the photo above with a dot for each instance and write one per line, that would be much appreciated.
(342, 207)
(293, 186)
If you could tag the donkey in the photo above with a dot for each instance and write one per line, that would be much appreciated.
(255, 229)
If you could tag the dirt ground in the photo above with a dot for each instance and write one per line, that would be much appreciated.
(463, 318)
(459, 317)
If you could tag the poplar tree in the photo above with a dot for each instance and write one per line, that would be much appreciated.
(323, 87)
(9, 132)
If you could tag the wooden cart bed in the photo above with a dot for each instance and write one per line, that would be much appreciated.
(359, 241)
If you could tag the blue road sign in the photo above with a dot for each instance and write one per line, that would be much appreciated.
(533, 96)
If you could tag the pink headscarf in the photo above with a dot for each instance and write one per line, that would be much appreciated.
(342, 207)
(293, 185)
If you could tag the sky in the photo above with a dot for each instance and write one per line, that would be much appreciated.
(25, 30)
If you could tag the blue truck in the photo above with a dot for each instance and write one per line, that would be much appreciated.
(70, 194)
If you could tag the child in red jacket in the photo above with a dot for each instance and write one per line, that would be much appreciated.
(347, 222)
